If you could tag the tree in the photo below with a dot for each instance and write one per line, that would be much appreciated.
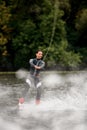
(4, 25)
(5, 31)
(53, 26)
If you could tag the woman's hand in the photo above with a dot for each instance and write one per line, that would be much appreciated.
(37, 67)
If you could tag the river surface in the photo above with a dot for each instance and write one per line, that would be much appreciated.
(63, 103)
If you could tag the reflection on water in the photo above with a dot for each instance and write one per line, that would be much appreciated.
(63, 105)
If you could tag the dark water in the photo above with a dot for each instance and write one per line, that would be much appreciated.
(63, 105)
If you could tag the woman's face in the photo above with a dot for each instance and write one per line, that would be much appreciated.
(39, 54)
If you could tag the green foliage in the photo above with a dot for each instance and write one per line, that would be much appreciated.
(81, 20)
(61, 55)
(54, 26)
(26, 34)
(50, 36)
(83, 52)
(4, 20)
(23, 43)
(4, 27)
(70, 59)
(21, 58)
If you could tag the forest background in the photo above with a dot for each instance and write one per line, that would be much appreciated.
(57, 27)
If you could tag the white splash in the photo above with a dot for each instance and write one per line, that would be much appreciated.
(21, 73)
(51, 80)
(7, 125)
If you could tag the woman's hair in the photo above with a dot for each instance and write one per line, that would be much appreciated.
(39, 51)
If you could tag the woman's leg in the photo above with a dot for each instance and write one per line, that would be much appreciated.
(21, 100)
(38, 89)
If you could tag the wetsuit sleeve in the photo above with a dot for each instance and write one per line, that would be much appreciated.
(31, 62)
(42, 65)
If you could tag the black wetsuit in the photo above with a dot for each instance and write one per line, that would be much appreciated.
(35, 74)
(34, 77)
(38, 62)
